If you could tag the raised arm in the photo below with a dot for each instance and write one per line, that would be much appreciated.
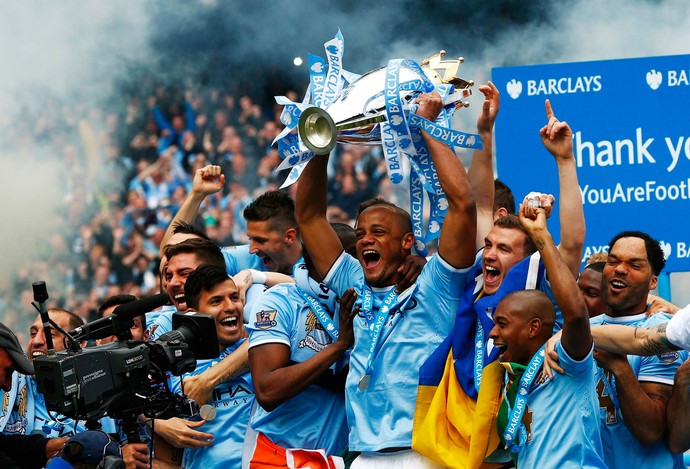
(207, 180)
(311, 201)
(457, 241)
(481, 170)
(576, 337)
(557, 137)
(200, 387)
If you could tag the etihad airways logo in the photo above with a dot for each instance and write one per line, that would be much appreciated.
(555, 86)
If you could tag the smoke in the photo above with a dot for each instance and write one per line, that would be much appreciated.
(80, 52)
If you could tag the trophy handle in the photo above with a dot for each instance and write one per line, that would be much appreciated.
(317, 130)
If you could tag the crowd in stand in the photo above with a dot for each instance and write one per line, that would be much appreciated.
(127, 169)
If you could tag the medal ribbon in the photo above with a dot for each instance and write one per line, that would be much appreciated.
(376, 321)
(514, 441)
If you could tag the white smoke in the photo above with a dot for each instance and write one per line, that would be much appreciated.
(72, 50)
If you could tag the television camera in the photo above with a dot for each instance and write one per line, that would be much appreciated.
(125, 378)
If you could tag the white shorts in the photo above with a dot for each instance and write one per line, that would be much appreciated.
(406, 459)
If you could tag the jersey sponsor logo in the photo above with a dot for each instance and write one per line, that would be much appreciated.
(668, 357)
(266, 319)
(231, 395)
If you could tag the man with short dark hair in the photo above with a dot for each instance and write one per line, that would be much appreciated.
(395, 331)
(589, 283)
(138, 329)
(210, 290)
(274, 243)
(547, 423)
(634, 392)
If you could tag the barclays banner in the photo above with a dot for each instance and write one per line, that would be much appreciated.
(631, 125)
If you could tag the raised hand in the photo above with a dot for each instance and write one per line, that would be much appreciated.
(556, 135)
(208, 180)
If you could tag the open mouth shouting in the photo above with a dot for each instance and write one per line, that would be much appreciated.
(492, 278)
(371, 258)
(180, 302)
(617, 285)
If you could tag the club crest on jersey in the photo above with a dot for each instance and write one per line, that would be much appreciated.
(668, 357)
(317, 338)
(266, 319)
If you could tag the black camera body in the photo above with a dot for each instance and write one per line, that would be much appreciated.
(126, 377)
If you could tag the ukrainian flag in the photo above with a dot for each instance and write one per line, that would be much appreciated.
(453, 424)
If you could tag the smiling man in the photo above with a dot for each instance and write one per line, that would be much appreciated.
(634, 392)
(183, 259)
(209, 290)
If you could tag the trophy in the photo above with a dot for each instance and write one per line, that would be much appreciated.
(378, 108)
(354, 115)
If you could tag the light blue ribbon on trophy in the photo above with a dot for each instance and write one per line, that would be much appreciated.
(317, 78)
(290, 115)
(515, 441)
(417, 212)
(294, 155)
(437, 198)
(446, 135)
(334, 56)
(395, 133)
(375, 328)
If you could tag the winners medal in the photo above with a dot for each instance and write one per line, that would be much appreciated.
(364, 381)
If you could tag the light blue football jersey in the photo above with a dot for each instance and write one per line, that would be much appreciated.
(621, 448)
(233, 401)
(381, 416)
(238, 258)
(315, 418)
(561, 418)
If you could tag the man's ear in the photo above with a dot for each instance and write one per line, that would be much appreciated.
(500, 213)
(407, 241)
(534, 327)
(653, 283)
(290, 235)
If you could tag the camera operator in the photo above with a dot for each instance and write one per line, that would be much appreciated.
(42, 420)
(109, 305)
(20, 451)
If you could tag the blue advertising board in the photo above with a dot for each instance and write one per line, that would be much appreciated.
(631, 125)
